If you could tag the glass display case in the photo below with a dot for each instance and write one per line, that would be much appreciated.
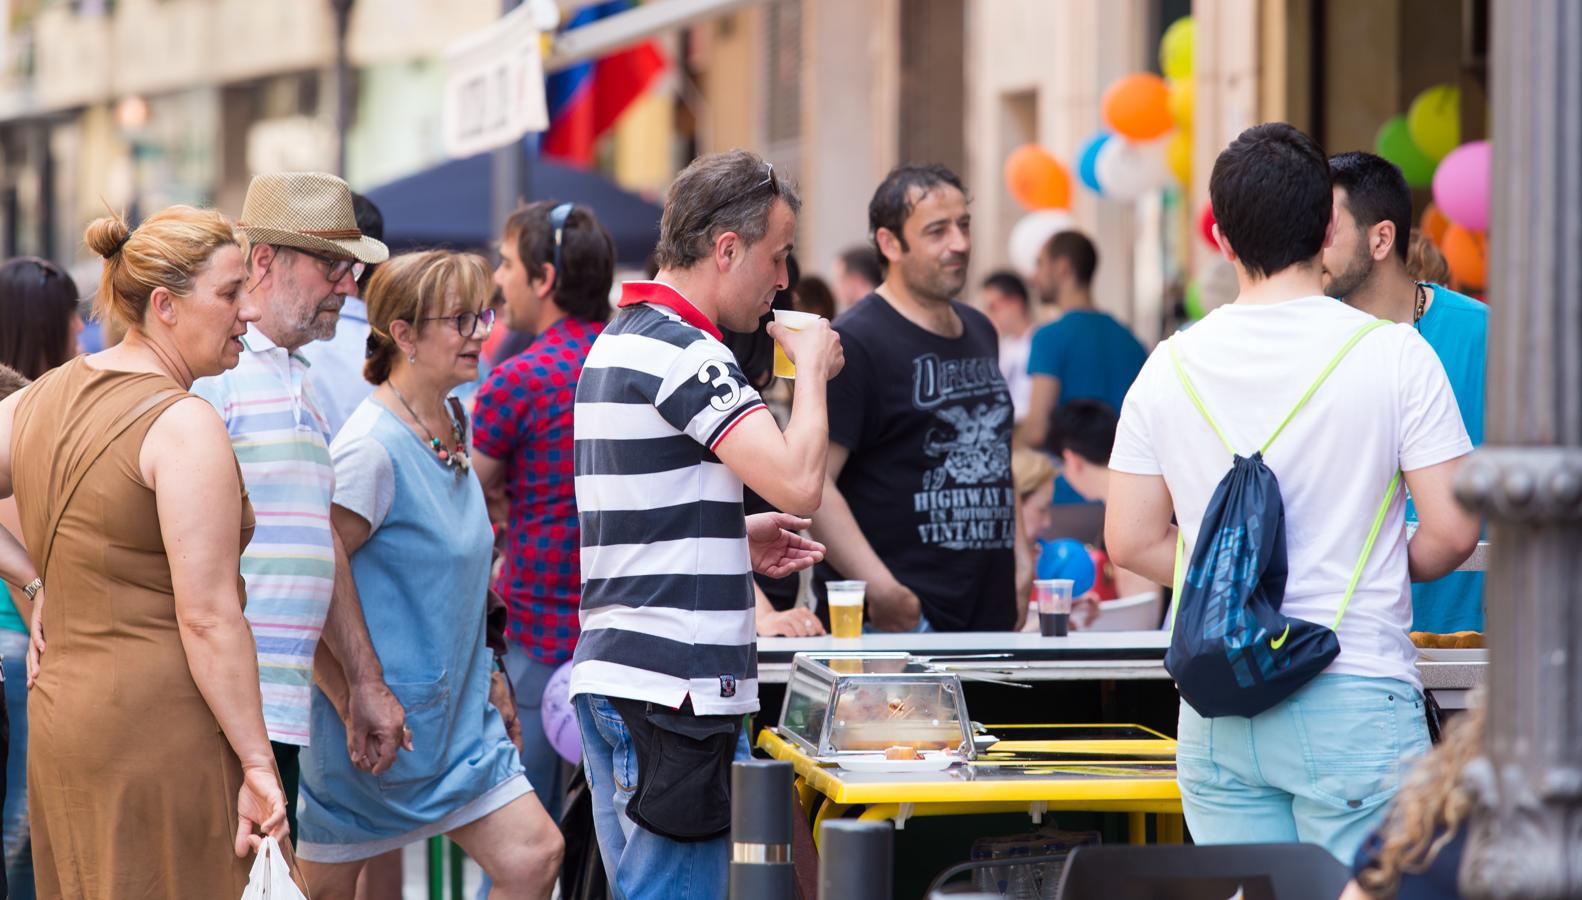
(838, 703)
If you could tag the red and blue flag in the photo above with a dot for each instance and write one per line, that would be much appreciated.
(586, 100)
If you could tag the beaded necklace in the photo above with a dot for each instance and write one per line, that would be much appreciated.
(456, 460)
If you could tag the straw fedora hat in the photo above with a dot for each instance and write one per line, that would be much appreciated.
(310, 210)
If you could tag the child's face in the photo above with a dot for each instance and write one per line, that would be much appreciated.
(1085, 478)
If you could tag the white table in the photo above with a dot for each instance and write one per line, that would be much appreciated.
(1081, 656)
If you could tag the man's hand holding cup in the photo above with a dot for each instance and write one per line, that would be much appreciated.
(809, 346)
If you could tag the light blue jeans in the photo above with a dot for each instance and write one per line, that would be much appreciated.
(640, 864)
(1318, 768)
(18, 846)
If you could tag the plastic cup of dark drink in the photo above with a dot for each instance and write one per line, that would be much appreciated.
(1052, 598)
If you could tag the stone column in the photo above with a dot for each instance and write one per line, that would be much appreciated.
(1526, 832)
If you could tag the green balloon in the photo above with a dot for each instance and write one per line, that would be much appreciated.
(1194, 300)
(1394, 143)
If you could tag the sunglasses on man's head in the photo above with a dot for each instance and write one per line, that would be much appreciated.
(769, 179)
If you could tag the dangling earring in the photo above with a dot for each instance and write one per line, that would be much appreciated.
(411, 358)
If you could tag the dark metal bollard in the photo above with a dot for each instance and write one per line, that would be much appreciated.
(854, 860)
(761, 800)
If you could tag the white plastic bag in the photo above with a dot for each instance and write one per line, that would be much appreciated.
(271, 878)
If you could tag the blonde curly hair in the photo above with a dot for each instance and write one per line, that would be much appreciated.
(1424, 262)
(1030, 469)
(1432, 806)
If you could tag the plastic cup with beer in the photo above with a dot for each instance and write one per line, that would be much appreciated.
(790, 320)
(845, 608)
(1053, 599)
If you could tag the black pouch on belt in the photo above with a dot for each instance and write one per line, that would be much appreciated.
(683, 769)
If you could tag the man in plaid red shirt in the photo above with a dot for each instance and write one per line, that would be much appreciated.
(556, 267)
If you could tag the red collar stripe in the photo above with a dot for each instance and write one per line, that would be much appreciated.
(661, 294)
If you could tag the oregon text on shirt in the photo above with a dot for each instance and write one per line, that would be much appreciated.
(282, 443)
(667, 601)
(926, 422)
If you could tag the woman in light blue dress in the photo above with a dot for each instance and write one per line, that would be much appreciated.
(413, 520)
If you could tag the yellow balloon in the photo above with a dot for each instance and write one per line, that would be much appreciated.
(1178, 156)
(1434, 121)
(1175, 49)
(1181, 101)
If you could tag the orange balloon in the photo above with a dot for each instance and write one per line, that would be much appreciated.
(1467, 253)
(1138, 107)
(1434, 224)
(1036, 179)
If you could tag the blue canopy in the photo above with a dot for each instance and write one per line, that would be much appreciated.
(449, 205)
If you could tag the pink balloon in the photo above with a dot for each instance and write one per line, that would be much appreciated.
(1461, 185)
(560, 717)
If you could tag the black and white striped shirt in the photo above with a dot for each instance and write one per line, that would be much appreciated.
(667, 600)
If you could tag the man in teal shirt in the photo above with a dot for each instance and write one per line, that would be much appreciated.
(1085, 354)
(1366, 266)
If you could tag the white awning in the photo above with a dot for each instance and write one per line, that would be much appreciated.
(622, 30)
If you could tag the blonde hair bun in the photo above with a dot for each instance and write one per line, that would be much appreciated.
(106, 235)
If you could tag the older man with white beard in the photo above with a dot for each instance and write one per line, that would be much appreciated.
(305, 256)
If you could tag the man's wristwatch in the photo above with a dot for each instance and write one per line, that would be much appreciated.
(32, 589)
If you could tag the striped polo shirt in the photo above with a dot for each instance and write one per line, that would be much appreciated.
(667, 597)
(282, 443)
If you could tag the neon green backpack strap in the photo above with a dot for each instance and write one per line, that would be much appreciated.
(1379, 516)
(1323, 376)
(1197, 401)
(1367, 548)
(1179, 581)
(1395, 482)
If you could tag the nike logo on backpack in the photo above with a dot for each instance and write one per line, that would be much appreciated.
(1279, 642)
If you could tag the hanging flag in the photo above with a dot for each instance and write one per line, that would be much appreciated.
(586, 100)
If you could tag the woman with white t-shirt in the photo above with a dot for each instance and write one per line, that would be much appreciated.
(1320, 765)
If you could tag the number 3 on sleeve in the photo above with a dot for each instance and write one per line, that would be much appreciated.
(715, 374)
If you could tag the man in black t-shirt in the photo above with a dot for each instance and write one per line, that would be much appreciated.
(920, 502)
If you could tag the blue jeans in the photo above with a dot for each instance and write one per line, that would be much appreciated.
(640, 864)
(1319, 768)
(18, 847)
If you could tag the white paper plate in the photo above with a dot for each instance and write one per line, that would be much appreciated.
(1453, 654)
(930, 762)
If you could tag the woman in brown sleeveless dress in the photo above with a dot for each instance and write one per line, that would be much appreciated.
(149, 768)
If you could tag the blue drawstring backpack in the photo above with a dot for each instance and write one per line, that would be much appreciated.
(1232, 652)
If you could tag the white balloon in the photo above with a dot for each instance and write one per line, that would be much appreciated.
(1029, 236)
(1127, 170)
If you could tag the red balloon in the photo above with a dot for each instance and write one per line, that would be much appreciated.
(1205, 225)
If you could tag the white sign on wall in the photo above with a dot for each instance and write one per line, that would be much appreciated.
(494, 86)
